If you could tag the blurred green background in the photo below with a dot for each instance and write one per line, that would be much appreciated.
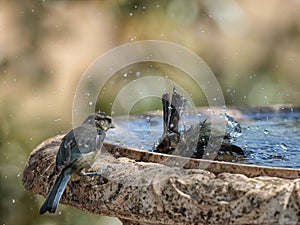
(253, 48)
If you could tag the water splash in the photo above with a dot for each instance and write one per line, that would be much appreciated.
(233, 128)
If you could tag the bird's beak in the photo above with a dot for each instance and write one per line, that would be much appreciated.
(112, 125)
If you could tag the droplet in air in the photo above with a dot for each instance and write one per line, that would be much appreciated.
(148, 119)
(133, 38)
(283, 146)
(266, 131)
(86, 145)
(13, 201)
(90, 103)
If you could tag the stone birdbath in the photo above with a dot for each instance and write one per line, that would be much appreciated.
(140, 185)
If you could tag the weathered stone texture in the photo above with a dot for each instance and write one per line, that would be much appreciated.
(152, 193)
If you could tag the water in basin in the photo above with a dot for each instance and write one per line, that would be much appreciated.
(269, 139)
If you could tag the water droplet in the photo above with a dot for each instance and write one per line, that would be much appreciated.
(284, 146)
(86, 145)
(131, 14)
(125, 75)
(266, 131)
(13, 201)
(148, 119)
(90, 103)
(138, 74)
(133, 38)
(233, 128)
(57, 120)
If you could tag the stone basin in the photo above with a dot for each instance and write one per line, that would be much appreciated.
(270, 138)
(142, 187)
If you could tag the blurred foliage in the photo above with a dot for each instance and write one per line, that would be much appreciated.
(252, 47)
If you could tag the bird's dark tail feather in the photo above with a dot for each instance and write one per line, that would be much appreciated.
(56, 192)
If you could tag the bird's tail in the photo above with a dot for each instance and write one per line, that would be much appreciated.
(56, 192)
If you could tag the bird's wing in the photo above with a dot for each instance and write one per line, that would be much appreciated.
(81, 140)
(64, 153)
